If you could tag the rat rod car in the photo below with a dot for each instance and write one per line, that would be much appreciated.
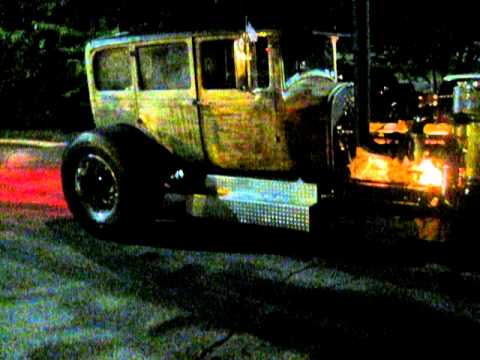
(209, 117)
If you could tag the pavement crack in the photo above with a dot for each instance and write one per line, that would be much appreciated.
(210, 349)
(310, 265)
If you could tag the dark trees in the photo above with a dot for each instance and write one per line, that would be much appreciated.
(42, 83)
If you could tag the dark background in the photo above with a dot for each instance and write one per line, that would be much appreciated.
(42, 81)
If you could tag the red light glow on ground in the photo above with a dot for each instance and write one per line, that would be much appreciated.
(35, 186)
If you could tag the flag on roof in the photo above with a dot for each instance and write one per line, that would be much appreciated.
(252, 34)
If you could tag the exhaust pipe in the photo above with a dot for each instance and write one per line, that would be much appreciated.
(361, 51)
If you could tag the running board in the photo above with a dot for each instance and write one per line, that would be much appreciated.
(283, 204)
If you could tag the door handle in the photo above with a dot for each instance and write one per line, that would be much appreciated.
(191, 102)
(197, 102)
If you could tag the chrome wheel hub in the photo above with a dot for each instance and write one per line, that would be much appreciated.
(96, 187)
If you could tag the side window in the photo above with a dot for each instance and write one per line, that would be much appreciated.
(112, 69)
(218, 66)
(164, 67)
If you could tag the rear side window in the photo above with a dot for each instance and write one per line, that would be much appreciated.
(164, 67)
(112, 69)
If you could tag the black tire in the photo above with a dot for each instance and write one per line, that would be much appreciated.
(113, 179)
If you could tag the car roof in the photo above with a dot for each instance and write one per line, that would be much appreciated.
(123, 39)
(127, 39)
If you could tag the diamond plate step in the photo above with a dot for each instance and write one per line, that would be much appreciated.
(284, 204)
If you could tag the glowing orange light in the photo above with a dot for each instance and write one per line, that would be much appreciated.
(222, 191)
(401, 126)
(438, 129)
(430, 175)
(461, 177)
(367, 166)
(434, 142)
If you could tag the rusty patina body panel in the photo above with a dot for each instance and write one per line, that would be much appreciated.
(245, 130)
(170, 116)
(257, 128)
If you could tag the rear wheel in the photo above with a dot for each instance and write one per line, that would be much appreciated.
(97, 187)
(110, 187)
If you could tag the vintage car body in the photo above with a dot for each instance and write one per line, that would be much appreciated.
(212, 117)
(222, 125)
(222, 128)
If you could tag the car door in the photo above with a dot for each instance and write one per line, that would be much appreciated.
(166, 95)
(237, 105)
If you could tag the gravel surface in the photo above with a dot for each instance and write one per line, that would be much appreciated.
(186, 289)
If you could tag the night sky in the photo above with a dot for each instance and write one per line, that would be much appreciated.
(402, 19)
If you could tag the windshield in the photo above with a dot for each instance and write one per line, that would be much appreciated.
(303, 52)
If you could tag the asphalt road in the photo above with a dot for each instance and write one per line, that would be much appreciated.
(186, 289)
